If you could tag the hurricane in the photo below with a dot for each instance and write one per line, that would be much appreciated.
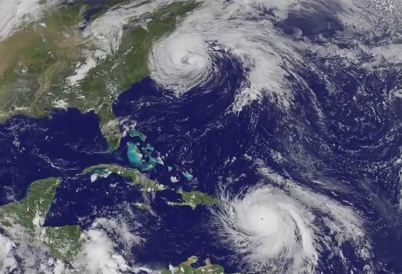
(265, 226)
(254, 32)
(268, 58)
(314, 105)
(312, 65)
(182, 63)
(234, 136)
(285, 228)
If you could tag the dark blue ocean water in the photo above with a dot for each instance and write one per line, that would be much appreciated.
(349, 137)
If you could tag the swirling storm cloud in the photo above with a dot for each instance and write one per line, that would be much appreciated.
(327, 73)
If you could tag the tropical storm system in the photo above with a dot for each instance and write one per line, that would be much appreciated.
(201, 136)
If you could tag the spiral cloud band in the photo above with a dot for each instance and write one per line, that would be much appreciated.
(181, 62)
(269, 226)
(285, 229)
(271, 60)
(282, 227)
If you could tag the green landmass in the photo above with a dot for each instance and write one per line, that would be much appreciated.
(135, 156)
(135, 133)
(23, 221)
(133, 175)
(36, 62)
(186, 268)
(194, 199)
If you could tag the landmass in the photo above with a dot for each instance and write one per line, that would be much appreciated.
(23, 221)
(140, 157)
(194, 199)
(142, 206)
(134, 133)
(53, 64)
(133, 175)
(186, 268)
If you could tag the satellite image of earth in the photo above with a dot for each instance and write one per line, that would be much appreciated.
(205, 136)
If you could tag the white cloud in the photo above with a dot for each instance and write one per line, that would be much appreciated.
(98, 254)
(7, 260)
(16, 13)
(102, 254)
(285, 227)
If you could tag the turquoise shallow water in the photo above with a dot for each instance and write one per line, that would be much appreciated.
(142, 160)
(348, 140)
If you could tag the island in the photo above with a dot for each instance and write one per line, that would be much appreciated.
(137, 156)
(142, 206)
(23, 222)
(188, 176)
(133, 175)
(134, 133)
(186, 268)
(194, 199)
